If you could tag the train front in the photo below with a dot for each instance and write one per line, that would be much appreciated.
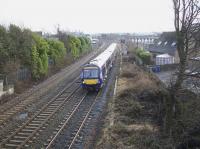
(91, 77)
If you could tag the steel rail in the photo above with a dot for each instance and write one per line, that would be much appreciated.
(65, 123)
(38, 113)
(82, 124)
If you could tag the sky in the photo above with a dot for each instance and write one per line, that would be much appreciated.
(89, 16)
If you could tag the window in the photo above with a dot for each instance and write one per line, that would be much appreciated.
(90, 73)
(173, 44)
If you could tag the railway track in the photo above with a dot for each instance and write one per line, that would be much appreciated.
(70, 128)
(22, 102)
(6, 114)
(36, 123)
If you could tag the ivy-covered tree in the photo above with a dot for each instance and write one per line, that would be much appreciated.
(39, 57)
(74, 45)
(57, 51)
(35, 63)
(15, 35)
(26, 47)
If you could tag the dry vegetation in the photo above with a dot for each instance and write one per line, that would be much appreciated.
(134, 121)
(136, 116)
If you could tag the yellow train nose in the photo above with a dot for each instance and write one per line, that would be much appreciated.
(90, 81)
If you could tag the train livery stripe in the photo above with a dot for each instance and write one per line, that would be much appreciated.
(90, 81)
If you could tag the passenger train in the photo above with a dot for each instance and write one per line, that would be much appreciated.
(95, 72)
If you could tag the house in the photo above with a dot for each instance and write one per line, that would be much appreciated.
(164, 59)
(8, 91)
(165, 45)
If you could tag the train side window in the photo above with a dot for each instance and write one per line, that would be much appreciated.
(81, 75)
(103, 70)
(101, 76)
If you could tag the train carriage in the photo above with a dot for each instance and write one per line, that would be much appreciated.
(95, 72)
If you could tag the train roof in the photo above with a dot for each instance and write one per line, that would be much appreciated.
(101, 59)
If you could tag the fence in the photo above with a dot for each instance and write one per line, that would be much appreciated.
(23, 74)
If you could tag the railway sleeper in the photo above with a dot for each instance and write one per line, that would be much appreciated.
(54, 104)
(10, 113)
(18, 108)
(33, 124)
(51, 110)
(36, 122)
(27, 130)
(19, 137)
(31, 127)
(11, 145)
(41, 119)
(3, 116)
(42, 116)
(23, 133)
(16, 141)
(65, 95)
(47, 112)
(60, 98)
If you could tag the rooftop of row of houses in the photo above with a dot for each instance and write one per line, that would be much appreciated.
(166, 43)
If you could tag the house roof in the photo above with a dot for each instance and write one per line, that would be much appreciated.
(196, 58)
(164, 56)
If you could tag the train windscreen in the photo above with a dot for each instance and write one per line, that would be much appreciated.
(90, 73)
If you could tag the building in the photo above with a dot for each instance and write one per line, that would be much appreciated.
(164, 49)
(8, 91)
(164, 59)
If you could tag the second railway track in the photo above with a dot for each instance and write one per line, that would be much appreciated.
(70, 128)
(23, 134)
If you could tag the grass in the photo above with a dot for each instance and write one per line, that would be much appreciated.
(134, 110)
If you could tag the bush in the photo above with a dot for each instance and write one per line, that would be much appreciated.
(39, 57)
(144, 55)
(56, 51)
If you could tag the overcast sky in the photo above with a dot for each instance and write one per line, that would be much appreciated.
(89, 16)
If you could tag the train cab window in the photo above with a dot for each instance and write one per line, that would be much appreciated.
(90, 73)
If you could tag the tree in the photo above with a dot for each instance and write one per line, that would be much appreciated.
(56, 51)
(83, 44)
(34, 63)
(39, 57)
(74, 45)
(4, 45)
(24, 53)
(186, 24)
(186, 17)
(15, 35)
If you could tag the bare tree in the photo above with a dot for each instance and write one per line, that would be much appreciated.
(186, 22)
(187, 13)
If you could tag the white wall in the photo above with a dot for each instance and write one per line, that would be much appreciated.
(164, 60)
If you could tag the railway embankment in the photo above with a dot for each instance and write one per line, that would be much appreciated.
(136, 115)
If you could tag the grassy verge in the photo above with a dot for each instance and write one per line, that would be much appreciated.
(134, 117)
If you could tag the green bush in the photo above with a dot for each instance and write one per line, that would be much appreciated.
(57, 50)
(39, 62)
(145, 56)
